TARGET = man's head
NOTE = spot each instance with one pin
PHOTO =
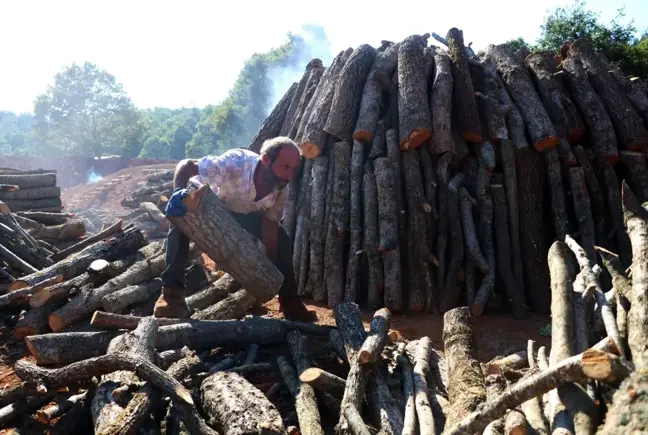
(280, 158)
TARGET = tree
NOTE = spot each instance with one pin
(515, 44)
(616, 40)
(86, 112)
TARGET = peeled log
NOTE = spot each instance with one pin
(463, 96)
(212, 228)
(637, 224)
(415, 124)
(514, 73)
(116, 247)
(384, 62)
(36, 193)
(465, 378)
(441, 105)
(29, 181)
(348, 93)
(271, 126)
(627, 124)
(600, 131)
(226, 394)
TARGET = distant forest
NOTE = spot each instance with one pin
(86, 112)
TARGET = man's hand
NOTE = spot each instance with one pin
(175, 206)
(269, 237)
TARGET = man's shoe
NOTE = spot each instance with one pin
(294, 309)
(171, 304)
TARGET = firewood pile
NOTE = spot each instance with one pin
(157, 189)
(33, 190)
(433, 177)
(98, 362)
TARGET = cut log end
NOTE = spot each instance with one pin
(416, 138)
(547, 143)
(56, 323)
(310, 150)
(363, 136)
(472, 137)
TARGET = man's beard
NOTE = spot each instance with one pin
(275, 183)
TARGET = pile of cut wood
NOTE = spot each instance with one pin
(158, 188)
(33, 190)
(435, 177)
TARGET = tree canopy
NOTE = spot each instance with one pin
(617, 40)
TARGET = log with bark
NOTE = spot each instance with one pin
(43, 204)
(384, 62)
(271, 126)
(628, 125)
(415, 124)
(210, 226)
(518, 82)
(317, 229)
(464, 105)
(376, 276)
(56, 233)
(452, 288)
(635, 166)
(338, 225)
(355, 221)
(345, 104)
(102, 235)
(29, 194)
(441, 105)
(310, 89)
(234, 306)
(30, 181)
(113, 248)
(291, 111)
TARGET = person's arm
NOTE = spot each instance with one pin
(270, 227)
(185, 169)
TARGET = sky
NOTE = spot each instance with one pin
(188, 53)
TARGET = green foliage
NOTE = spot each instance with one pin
(86, 112)
(515, 44)
(616, 40)
(15, 133)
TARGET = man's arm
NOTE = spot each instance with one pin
(185, 169)
(269, 237)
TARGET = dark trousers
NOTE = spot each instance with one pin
(177, 253)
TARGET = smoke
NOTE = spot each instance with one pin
(310, 42)
(93, 177)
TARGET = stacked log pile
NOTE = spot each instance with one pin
(434, 177)
(33, 190)
(115, 368)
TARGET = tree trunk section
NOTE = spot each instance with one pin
(86, 302)
(583, 212)
(115, 228)
(503, 251)
(441, 105)
(627, 412)
(109, 416)
(371, 350)
(514, 73)
(213, 293)
(348, 93)
(387, 208)
(384, 63)
(415, 124)
(49, 204)
(339, 224)
(271, 126)
(558, 202)
(317, 229)
(615, 208)
(116, 302)
(627, 124)
(25, 194)
(225, 394)
(376, 277)
(599, 213)
(485, 209)
(113, 248)
(464, 104)
(211, 227)
(635, 165)
(293, 108)
(234, 306)
(465, 378)
(470, 233)
(310, 88)
(636, 222)
(355, 222)
(599, 125)
(452, 289)
(29, 181)
(323, 381)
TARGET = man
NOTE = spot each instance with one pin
(252, 186)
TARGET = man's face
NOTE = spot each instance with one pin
(283, 169)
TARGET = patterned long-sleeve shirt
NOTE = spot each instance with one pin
(231, 177)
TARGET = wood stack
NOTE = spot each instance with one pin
(33, 190)
(157, 189)
(459, 173)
